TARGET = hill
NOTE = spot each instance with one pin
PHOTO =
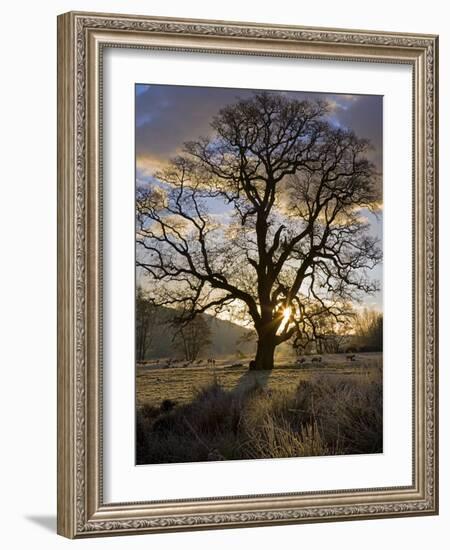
(226, 337)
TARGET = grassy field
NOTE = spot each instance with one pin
(154, 385)
(199, 413)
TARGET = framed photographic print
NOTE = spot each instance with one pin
(247, 277)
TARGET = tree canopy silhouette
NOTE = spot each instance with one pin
(290, 243)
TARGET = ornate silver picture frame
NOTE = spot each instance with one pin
(83, 39)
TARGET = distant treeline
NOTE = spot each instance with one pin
(369, 331)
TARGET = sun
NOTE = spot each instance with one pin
(287, 312)
(287, 315)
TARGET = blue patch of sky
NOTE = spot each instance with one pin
(141, 88)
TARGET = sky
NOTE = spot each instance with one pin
(167, 116)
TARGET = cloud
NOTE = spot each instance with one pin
(167, 116)
(147, 165)
(365, 117)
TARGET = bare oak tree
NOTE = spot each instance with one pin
(289, 243)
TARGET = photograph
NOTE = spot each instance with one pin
(259, 274)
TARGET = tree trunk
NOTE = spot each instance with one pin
(265, 352)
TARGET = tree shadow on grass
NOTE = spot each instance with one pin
(252, 379)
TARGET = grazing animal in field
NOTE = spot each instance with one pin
(301, 361)
(350, 357)
(316, 360)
